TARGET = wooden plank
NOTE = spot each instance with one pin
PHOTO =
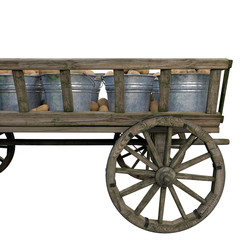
(114, 63)
(66, 90)
(119, 91)
(213, 90)
(85, 129)
(73, 119)
(99, 119)
(164, 90)
(19, 82)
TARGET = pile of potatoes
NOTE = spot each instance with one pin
(101, 105)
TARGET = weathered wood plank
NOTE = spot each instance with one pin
(19, 82)
(100, 119)
(119, 91)
(85, 129)
(213, 90)
(66, 90)
(115, 63)
(164, 90)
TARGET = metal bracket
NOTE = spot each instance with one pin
(197, 214)
(146, 222)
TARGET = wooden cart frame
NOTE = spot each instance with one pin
(152, 131)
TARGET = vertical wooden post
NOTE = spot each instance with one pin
(66, 90)
(20, 86)
(119, 91)
(224, 87)
(213, 90)
(164, 86)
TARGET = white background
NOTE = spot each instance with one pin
(60, 192)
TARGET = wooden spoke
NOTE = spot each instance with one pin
(141, 172)
(137, 150)
(192, 162)
(153, 149)
(178, 157)
(194, 177)
(168, 147)
(177, 201)
(135, 164)
(137, 186)
(137, 161)
(146, 199)
(141, 158)
(189, 191)
(161, 204)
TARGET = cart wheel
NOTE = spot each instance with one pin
(163, 176)
(122, 159)
(6, 152)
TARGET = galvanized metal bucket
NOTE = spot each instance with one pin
(96, 89)
(82, 85)
(8, 96)
(138, 90)
(188, 92)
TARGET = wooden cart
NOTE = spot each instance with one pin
(156, 136)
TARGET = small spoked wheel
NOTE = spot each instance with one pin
(169, 196)
(6, 152)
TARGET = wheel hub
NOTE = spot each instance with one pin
(165, 176)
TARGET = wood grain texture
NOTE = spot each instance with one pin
(119, 91)
(66, 90)
(213, 90)
(164, 90)
(20, 86)
(114, 63)
(96, 119)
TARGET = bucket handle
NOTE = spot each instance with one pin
(90, 78)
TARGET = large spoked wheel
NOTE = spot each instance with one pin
(139, 202)
(6, 152)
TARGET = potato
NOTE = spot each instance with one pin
(102, 101)
(191, 70)
(125, 71)
(109, 73)
(49, 71)
(31, 72)
(83, 71)
(43, 107)
(103, 108)
(154, 106)
(203, 71)
(143, 71)
(133, 72)
(94, 106)
(5, 71)
(156, 74)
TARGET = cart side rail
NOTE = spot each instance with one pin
(118, 65)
